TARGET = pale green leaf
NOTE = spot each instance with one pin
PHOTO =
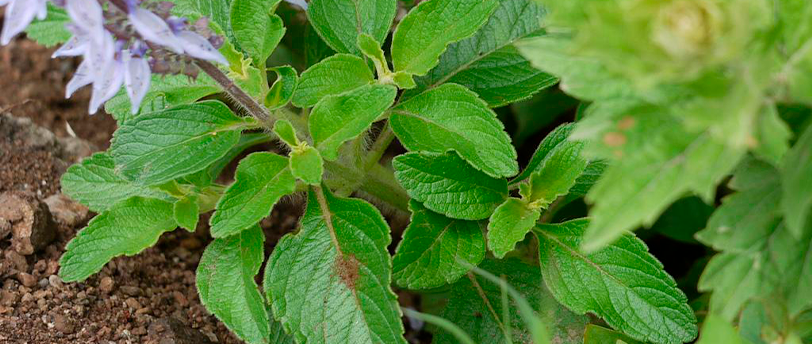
(255, 28)
(306, 164)
(622, 283)
(334, 75)
(773, 135)
(717, 330)
(450, 117)
(551, 141)
(330, 283)
(555, 176)
(187, 212)
(448, 185)
(436, 250)
(372, 49)
(339, 22)
(95, 183)
(592, 173)
(285, 131)
(796, 178)
(744, 219)
(488, 64)
(260, 181)
(423, 35)
(51, 30)
(225, 283)
(340, 118)
(160, 146)
(283, 88)
(509, 224)
(125, 229)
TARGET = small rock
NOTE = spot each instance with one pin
(173, 331)
(43, 283)
(66, 210)
(55, 281)
(180, 299)
(132, 303)
(130, 290)
(27, 298)
(106, 284)
(139, 331)
(31, 226)
(7, 298)
(26, 279)
(63, 324)
(18, 262)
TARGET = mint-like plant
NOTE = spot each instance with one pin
(676, 96)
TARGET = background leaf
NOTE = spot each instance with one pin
(51, 30)
(339, 22)
(255, 28)
(796, 174)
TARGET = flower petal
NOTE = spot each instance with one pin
(98, 54)
(75, 46)
(83, 76)
(153, 28)
(107, 86)
(88, 15)
(136, 79)
(42, 9)
(18, 15)
(199, 47)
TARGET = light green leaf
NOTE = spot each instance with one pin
(216, 10)
(283, 88)
(509, 224)
(423, 35)
(160, 146)
(595, 334)
(334, 75)
(451, 117)
(555, 176)
(478, 308)
(95, 183)
(488, 64)
(207, 176)
(622, 283)
(717, 330)
(773, 135)
(260, 181)
(436, 250)
(257, 30)
(744, 219)
(51, 30)
(448, 185)
(372, 49)
(306, 164)
(796, 178)
(187, 212)
(165, 91)
(592, 173)
(284, 130)
(340, 118)
(339, 22)
(551, 141)
(125, 229)
(225, 283)
(330, 283)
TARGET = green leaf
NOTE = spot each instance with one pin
(509, 224)
(51, 30)
(340, 118)
(478, 308)
(555, 176)
(225, 283)
(744, 219)
(283, 88)
(599, 335)
(622, 283)
(436, 250)
(551, 141)
(187, 212)
(125, 229)
(339, 22)
(592, 173)
(334, 75)
(285, 131)
(448, 185)
(451, 117)
(165, 91)
(329, 283)
(95, 183)
(160, 146)
(216, 10)
(306, 164)
(278, 334)
(488, 64)
(372, 49)
(260, 181)
(423, 35)
(716, 330)
(773, 135)
(207, 176)
(796, 178)
(257, 30)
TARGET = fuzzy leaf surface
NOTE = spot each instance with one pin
(225, 283)
(283, 88)
(557, 174)
(334, 75)
(257, 31)
(306, 164)
(450, 117)
(448, 185)
(509, 224)
(622, 283)
(260, 181)
(332, 285)
(51, 30)
(160, 146)
(339, 22)
(432, 244)
(125, 229)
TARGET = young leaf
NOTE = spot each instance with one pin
(257, 31)
(339, 22)
(306, 164)
(51, 30)
(225, 283)
(329, 283)
(339, 118)
(796, 178)
(556, 175)
(509, 224)
(95, 183)
(448, 185)
(160, 146)
(622, 283)
(451, 117)
(436, 250)
(187, 212)
(283, 88)
(372, 49)
(284, 130)
(475, 306)
(260, 181)
(423, 35)
(125, 229)
(552, 140)
(334, 75)
(488, 64)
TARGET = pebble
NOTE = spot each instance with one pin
(55, 281)
(130, 290)
(26, 279)
(132, 303)
(106, 285)
(63, 324)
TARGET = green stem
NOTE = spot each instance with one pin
(379, 147)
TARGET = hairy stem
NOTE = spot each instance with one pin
(250, 104)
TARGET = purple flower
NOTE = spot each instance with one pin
(19, 14)
(87, 15)
(199, 47)
(136, 79)
(154, 29)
